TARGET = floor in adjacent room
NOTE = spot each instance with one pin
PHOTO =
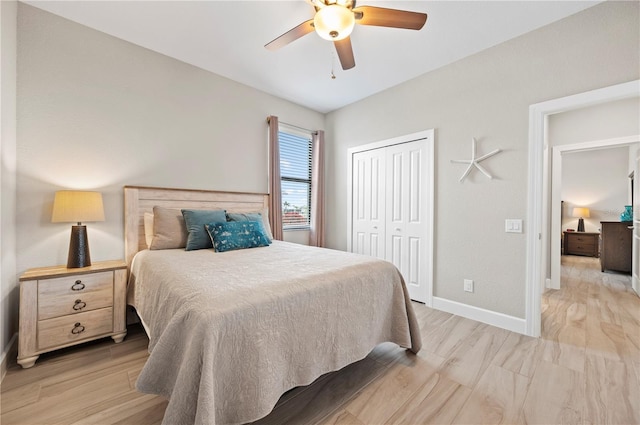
(584, 370)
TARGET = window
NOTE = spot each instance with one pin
(295, 177)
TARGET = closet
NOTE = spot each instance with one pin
(391, 207)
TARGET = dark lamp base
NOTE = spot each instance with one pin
(78, 248)
(581, 225)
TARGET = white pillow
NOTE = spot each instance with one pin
(148, 228)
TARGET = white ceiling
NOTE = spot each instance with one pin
(228, 38)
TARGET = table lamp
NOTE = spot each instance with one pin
(74, 206)
(581, 213)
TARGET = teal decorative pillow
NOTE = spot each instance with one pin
(236, 235)
(195, 220)
(253, 216)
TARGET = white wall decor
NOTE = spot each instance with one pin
(474, 162)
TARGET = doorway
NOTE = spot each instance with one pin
(538, 222)
(556, 199)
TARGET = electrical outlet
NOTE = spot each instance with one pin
(468, 285)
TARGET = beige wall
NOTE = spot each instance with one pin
(486, 96)
(598, 180)
(96, 112)
(600, 122)
(8, 278)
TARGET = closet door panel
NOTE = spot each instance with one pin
(368, 204)
(413, 274)
(406, 208)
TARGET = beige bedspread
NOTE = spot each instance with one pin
(231, 332)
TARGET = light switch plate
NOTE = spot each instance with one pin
(468, 285)
(513, 225)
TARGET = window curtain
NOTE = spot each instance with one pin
(316, 235)
(275, 195)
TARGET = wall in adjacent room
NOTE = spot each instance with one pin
(598, 180)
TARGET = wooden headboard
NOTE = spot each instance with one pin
(138, 200)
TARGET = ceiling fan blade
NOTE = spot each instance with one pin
(291, 35)
(345, 53)
(382, 17)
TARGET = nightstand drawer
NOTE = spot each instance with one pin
(68, 329)
(585, 249)
(580, 244)
(71, 295)
(74, 285)
(581, 241)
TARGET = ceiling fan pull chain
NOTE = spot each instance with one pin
(333, 76)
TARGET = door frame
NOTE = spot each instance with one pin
(635, 235)
(428, 137)
(556, 183)
(538, 188)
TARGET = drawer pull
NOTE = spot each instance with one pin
(77, 329)
(79, 305)
(78, 286)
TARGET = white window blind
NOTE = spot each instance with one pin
(295, 176)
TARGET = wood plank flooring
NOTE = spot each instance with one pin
(584, 370)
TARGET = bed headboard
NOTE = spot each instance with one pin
(139, 199)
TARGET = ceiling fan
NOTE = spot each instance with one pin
(334, 20)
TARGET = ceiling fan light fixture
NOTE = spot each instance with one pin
(334, 22)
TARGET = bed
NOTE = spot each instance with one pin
(230, 332)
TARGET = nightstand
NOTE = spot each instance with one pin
(581, 243)
(60, 307)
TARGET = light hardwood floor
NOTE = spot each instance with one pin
(584, 370)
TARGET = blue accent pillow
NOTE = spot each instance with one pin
(256, 216)
(195, 220)
(234, 235)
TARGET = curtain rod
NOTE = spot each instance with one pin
(296, 127)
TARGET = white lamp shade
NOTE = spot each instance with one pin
(75, 206)
(581, 212)
(334, 22)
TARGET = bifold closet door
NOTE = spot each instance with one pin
(368, 210)
(389, 209)
(406, 213)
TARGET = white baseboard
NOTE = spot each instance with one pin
(10, 351)
(500, 320)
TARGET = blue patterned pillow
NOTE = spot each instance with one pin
(255, 216)
(236, 235)
(195, 221)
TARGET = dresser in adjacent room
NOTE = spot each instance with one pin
(581, 243)
(615, 246)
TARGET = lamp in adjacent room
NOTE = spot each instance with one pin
(581, 213)
(75, 206)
